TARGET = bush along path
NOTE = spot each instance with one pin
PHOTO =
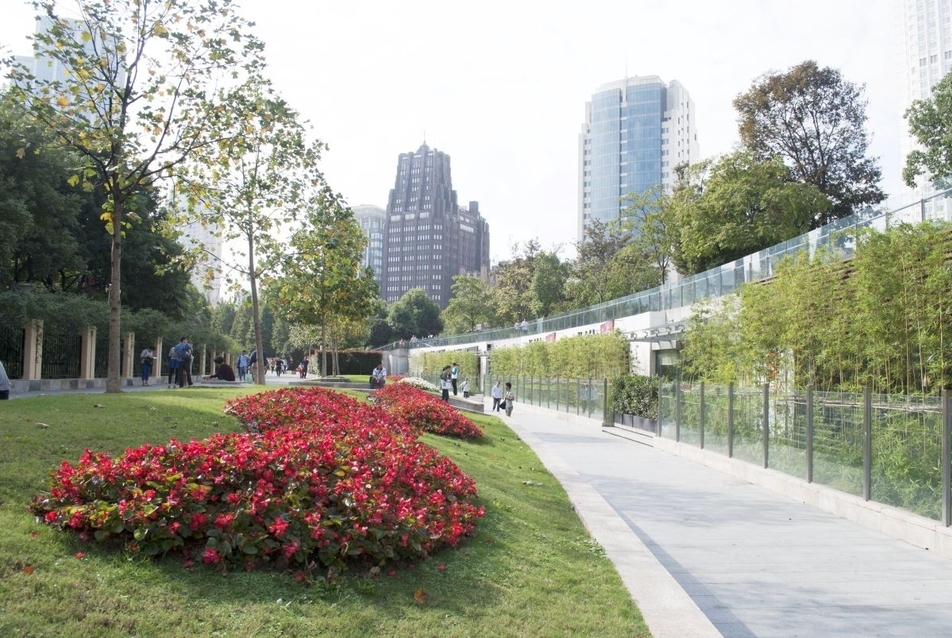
(321, 482)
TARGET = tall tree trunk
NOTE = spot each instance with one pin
(256, 314)
(113, 382)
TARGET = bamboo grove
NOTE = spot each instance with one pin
(879, 319)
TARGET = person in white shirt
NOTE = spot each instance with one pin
(496, 394)
(379, 377)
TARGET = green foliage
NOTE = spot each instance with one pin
(468, 307)
(648, 216)
(930, 123)
(130, 116)
(433, 362)
(608, 266)
(547, 289)
(814, 121)
(880, 320)
(512, 295)
(735, 206)
(635, 394)
(598, 356)
(415, 314)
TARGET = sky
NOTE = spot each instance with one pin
(501, 86)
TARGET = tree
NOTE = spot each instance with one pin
(607, 267)
(930, 123)
(322, 282)
(814, 120)
(646, 216)
(38, 224)
(253, 183)
(133, 100)
(415, 314)
(468, 306)
(381, 332)
(511, 296)
(547, 290)
(736, 206)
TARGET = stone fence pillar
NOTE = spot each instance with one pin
(128, 355)
(87, 360)
(33, 349)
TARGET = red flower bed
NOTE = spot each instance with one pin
(337, 487)
(423, 411)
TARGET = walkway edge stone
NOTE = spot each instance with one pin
(667, 609)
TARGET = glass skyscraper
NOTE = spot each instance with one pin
(636, 131)
(927, 57)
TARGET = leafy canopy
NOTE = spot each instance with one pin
(814, 120)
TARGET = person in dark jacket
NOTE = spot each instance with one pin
(223, 371)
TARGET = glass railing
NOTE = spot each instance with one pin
(884, 448)
(717, 282)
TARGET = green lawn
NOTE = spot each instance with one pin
(531, 570)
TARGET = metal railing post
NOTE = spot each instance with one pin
(867, 443)
(809, 434)
(766, 425)
(946, 460)
(677, 412)
(730, 420)
(701, 417)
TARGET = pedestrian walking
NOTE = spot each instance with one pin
(454, 376)
(184, 350)
(445, 383)
(496, 394)
(146, 357)
(242, 364)
(509, 398)
(173, 366)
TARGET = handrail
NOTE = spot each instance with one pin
(685, 291)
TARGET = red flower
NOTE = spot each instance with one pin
(211, 556)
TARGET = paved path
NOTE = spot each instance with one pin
(688, 539)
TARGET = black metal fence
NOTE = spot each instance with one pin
(62, 356)
(11, 351)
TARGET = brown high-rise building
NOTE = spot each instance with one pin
(429, 238)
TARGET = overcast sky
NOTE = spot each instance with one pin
(501, 86)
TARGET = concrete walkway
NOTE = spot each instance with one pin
(707, 554)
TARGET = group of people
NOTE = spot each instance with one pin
(503, 399)
(449, 378)
(180, 365)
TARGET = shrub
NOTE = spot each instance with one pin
(425, 412)
(419, 383)
(342, 489)
(635, 394)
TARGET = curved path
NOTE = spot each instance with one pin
(707, 554)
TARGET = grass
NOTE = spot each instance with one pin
(531, 569)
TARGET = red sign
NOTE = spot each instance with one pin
(550, 336)
(608, 326)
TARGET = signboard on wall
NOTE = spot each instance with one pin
(608, 326)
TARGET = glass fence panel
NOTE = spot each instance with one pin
(715, 418)
(788, 433)
(666, 409)
(690, 414)
(748, 425)
(907, 453)
(838, 441)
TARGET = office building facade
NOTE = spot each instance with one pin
(373, 222)
(926, 58)
(636, 131)
(429, 238)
